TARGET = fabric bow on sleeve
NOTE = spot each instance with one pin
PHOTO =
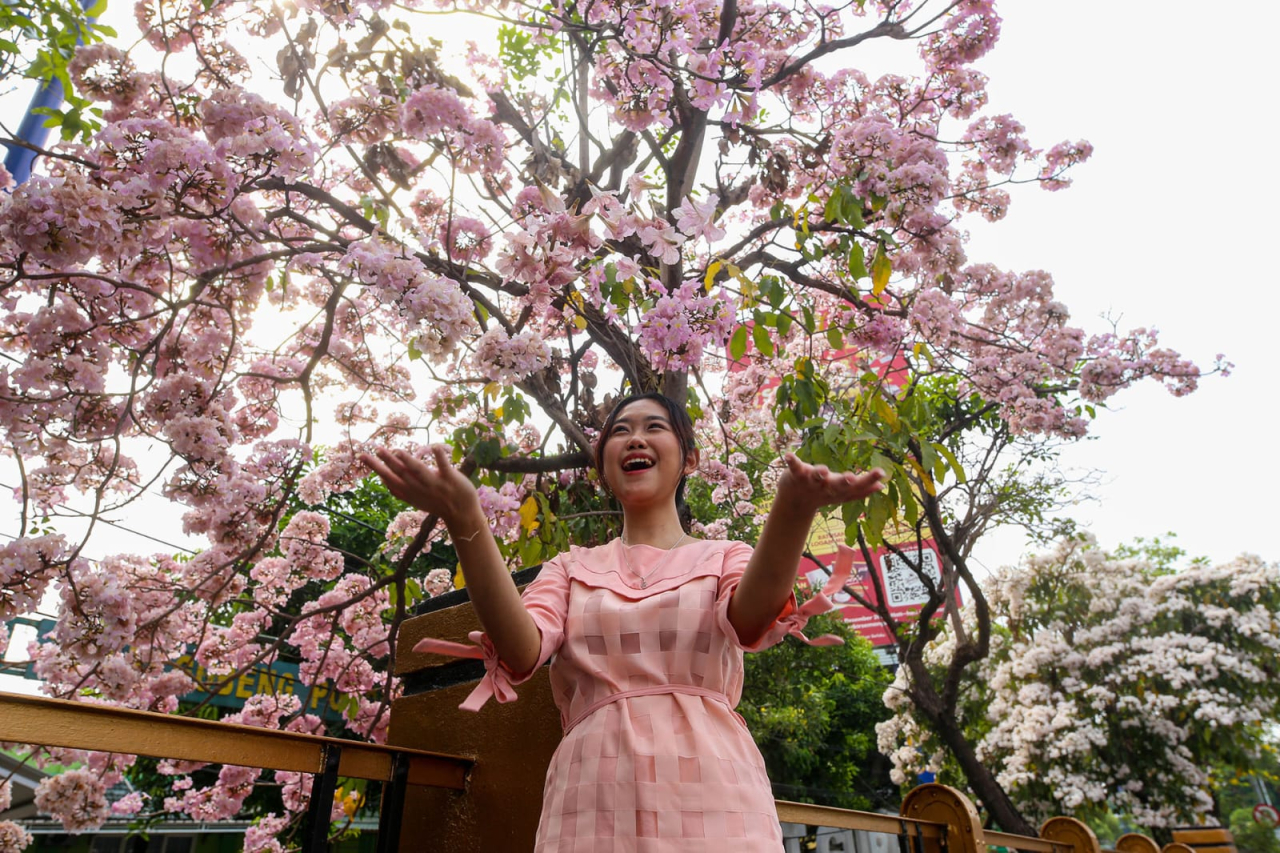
(795, 621)
(497, 678)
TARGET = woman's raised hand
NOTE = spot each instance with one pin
(443, 490)
(814, 486)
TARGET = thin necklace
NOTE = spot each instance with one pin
(644, 579)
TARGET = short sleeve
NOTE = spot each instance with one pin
(793, 617)
(736, 557)
(546, 599)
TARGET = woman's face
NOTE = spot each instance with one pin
(643, 459)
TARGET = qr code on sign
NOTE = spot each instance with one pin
(903, 586)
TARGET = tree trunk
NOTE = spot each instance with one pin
(981, 780)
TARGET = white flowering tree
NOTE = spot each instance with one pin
(305, 229)
(1114, 683)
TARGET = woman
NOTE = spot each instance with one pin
(647, 634)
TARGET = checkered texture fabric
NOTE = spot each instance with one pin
(674, 767)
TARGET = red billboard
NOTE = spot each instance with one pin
(904, 589)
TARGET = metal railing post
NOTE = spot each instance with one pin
(392, 812)
(320, 809)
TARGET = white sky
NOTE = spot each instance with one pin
(1165, 227)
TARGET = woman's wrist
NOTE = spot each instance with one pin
(794, 505)
(464, 524)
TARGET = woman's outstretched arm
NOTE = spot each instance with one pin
(771, 573)
(446, 492)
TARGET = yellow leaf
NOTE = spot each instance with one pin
(579, 321)
(925, 479)
(493, 389)
(712, 269)
(880, 269)
(458, 580)
(529, 514)
(885, 411)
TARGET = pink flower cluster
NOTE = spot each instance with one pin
(13, 838)
(262, 837)
(508, 359)
(502, 507)
(78, 798)
(27, 566)
(681, 324)
(433, 112)
(433, 309)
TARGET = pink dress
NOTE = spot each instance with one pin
(654, 758)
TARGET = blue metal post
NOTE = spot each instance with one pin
(32, 130)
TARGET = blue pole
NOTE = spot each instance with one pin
(18, 159)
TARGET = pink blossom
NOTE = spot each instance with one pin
(13, 838)
(262, 837)
(466, 238)
(502, 507)
(1058, 159)
(437, 582)
(432, 110)
(697, 220)
(75, 797)
(104, 72)
(509, 359)
(129, 805)
(682, 324)
(402, 530)
(663, 241)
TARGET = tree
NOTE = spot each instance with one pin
(379, 247)
(1117, 683)
(812, 710)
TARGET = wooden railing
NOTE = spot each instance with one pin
(80, 725)
(939, 819)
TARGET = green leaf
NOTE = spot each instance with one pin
(777, 293)
(809, 324)
(857, 261)
(487, 452)
(831, 212)
(851, 210)
(834, 338)
(784, 323)
(878, 506)
(760, 335)
(951, 459)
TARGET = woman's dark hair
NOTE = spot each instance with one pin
(681, 425)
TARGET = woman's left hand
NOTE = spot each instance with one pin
(810, 487)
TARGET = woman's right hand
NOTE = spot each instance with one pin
(443, 490)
